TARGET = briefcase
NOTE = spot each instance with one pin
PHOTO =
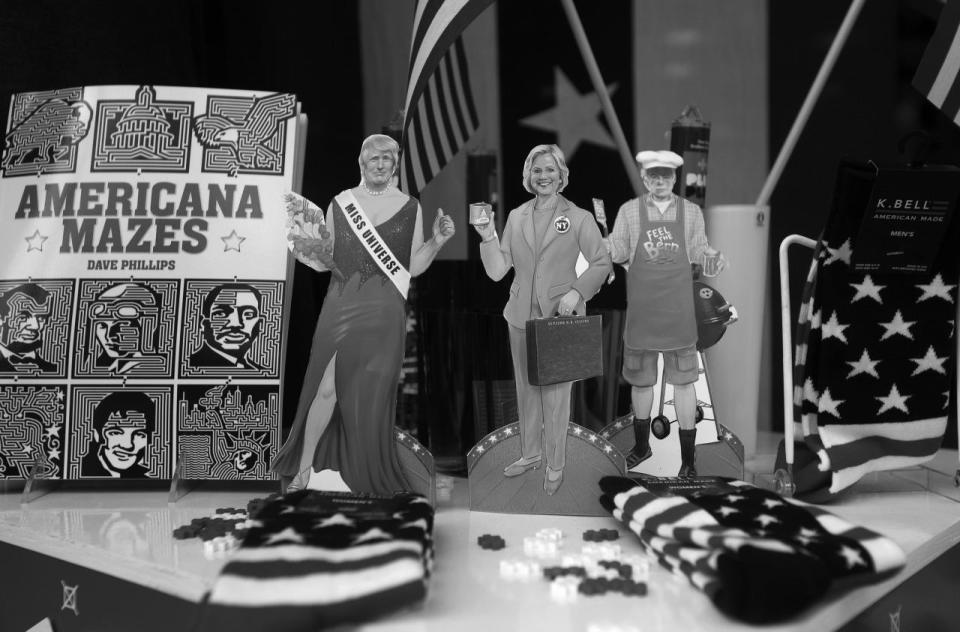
(564, 349)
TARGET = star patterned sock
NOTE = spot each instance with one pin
(312, 560)
(878, 355)
(758, 556)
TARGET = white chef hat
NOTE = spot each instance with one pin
(648, 159)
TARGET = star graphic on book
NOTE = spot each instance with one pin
(897, 326)
(574, 118)
(35, 241)
(337, 519)
(936, 288)
(852, 556)
(370, 535)
(842, 253)
(864, 365)
(929, 362)
(287, 535)
(232, 241)
(766, 520)
(833, 329)
(867, 289)
(829, 405)
(893, 400)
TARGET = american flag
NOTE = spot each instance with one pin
(758, 556)
(439, 112)
(874, 351)
(312, 560)
(938, 72)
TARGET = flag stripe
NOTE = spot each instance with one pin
(461, 126)
(872, 448)
(458, 133)
(951, 102)
(836, 435)
(942, 45)
(316, 568)
(460, 67)
(437, 111)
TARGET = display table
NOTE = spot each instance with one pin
(98, 560)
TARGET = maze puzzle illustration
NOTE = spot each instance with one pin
(143, 133)
(228, 431)
(157, 456)
(32, 430)
(125, 328)
(212, 317)
(43, 132)
(245, 135)
(35, 314)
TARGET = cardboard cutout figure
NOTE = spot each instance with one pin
(656, 237)
(541, 241)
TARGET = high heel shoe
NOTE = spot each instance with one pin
(520, 466)
(551, 484)
(299, 481)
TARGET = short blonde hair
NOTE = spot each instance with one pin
(557, 156)
(379, 142)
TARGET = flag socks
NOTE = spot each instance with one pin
(873, 351)
(759, 557)
(313, 560)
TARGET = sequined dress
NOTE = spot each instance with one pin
(363, 321)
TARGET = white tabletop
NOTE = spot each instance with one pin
(129, 534)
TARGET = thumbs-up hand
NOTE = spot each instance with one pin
(443, 227)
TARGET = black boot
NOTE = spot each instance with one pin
(688, 452)
(641, 448)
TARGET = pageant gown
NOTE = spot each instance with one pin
(363, 321)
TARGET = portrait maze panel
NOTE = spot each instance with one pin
(231, 329)
(35, 327)
(228, 431)
(121, 433)
(32, 429)
(126, 328)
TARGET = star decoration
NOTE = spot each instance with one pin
(53, 454)
(508, 432)
(52, 430)
(929, 362)
(574, 118)
(829, 405)
(864, 365)
(735, 498)
(35, 241)
(375, 533)
(893, 400)
(337, 519)
(232, 241)
(897, 326)
(766, 520)
(852, 557)
(726, 511)
(577, 431)
(936, 288)
(479, 449)
(27, 448)
(808, 533)
(867, 289)
(833, 329)
(842, 253)
(809, 393)
(287, 535)
(608, 448)
(772, 503)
